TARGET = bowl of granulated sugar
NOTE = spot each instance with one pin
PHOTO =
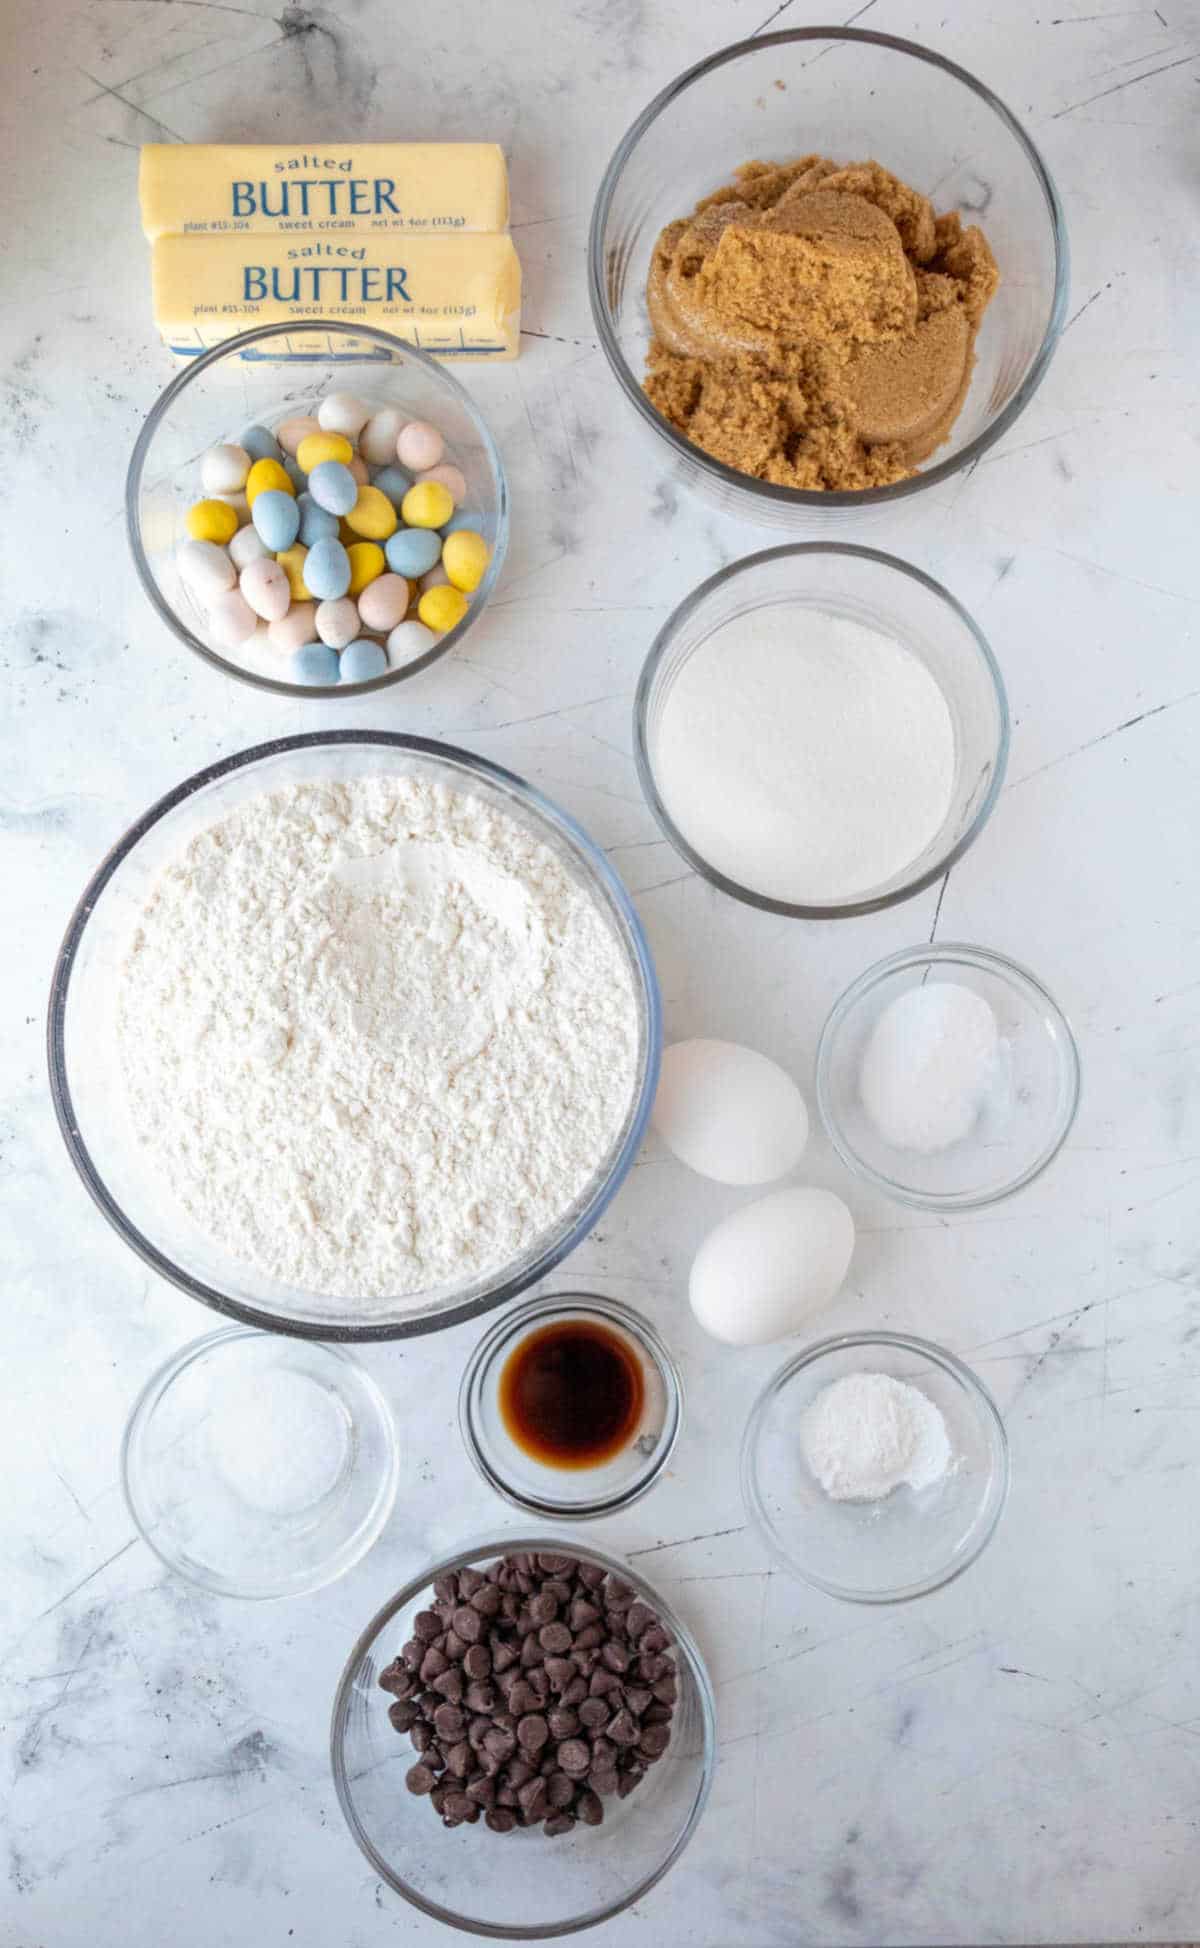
(821, 730)
(875, 1466)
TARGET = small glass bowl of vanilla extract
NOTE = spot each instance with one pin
(570, 1406)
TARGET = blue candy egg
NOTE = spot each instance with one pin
(392, 481)
(461, 519)
(327, 569)
(333, 487)
(276, 519)
(413, 551)
(361, 660)
(314, 663)
(260, 444)
(295, 472)
(314, 521)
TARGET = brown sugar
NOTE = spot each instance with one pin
(814, 325)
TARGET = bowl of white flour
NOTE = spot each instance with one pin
(354, 1035)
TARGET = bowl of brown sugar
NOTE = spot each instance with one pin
(828, 269)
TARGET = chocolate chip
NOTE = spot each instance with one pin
(593, 1713)
(559, 1672)
(478, 1661)
(539, 1683)
(605, 1756)
(504, 1656)
(623, 1729)
(575, 1692)
(469, 1581)
(588, 1808)
(582, 1613)
(590, 1637)
(457, 1807)
(618, 1596)
(590, 1575)
(531, 1797)
(574, 1757)
(500, 1743)
(500, 1819)
(531, 1650)
(657, 1714)
(655, 1638)
(481, 1697)
(422, 1737)
(543, 1608)
(460, 1760)
(602, 1682)
(560, 1789)
(419, 1779)
(654, 1741)
(449, 1685)
(555, 1565)
(665, 1690)
(638, 1617)
(523, 1698)
(433, 1664)
(519, 1773)
(403, 1714)
(486, 1600)
(563, 1722)
(398, 1679)
(427, 1625)
(554, 1638)
(468, 1624)
(482, 1790)
(615, 1656)
(532, 1732)
(413, 1652)
(556, 1824)
(626, 1783)
(603, 1782)
(449, 1722)
(445, 1588)
(638, 1699)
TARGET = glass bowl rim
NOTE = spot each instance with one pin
(998, 1482)
(988, 961)
(659, 648)
(804, 499)
(504, 1545)
(538, 1310)
(635, 953)
(341, 1562)
(233, 347)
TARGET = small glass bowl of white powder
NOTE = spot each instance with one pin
(947, 1077)
(875, 1467)
(821, 730)
(257, 1466)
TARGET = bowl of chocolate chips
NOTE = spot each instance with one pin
(523, 1739)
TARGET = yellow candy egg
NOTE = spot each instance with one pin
(212, 521)
(315, 447)
(264, 474)
(367, 560)
(372, 515)
(465, 556)
(427, 505)
(441, 608)
(292, 562)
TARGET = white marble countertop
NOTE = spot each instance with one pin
(1016, 1758)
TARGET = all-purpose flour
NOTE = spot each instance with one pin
(805, 755)
(374, 1035)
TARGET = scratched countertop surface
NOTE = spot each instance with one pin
(1014, 1759)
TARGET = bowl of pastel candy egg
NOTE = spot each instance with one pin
(340, 541)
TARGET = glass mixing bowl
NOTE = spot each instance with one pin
(850, 95)
(88, 1090)
(519, 1886)
(1025, 1116)
(262, 378)
(913, 1541)
(889, 596)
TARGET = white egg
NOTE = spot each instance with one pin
(761, 1273)
(729, 1113)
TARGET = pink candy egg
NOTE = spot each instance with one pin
(266, 588)
(292, 631)
(232, 619)
(451, 478)
(419, 446)
(247, 546)
(436, 578)
(357, 466)
(337, 622)
(377, 441)
(384, 603)
(293, 431)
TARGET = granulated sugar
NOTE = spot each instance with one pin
(375, 1036)
(806, 756)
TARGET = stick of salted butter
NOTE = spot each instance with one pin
(215, 189)
(458, 297)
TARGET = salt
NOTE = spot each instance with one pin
(279, 1440)
(929, 1065)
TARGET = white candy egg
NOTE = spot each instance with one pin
(205, 568)
(238, 503)
(762, 1272)
(729, 1113)
(224, 468)
(377, 442)
(233, 620)
(266, 588)
(337, 622)
(292, 631)
(343, 412)
(407, 641)
(247, 546)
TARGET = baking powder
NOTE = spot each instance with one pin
(867, 1434)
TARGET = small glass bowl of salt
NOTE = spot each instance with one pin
(875, 1467)
(947, 1077)
(256, 1466)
